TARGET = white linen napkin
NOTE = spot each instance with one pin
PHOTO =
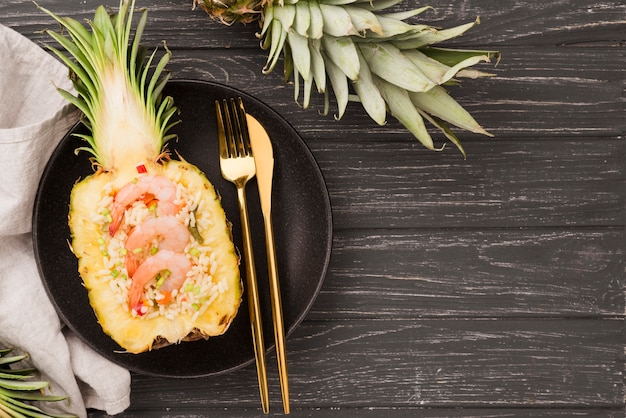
(33, 118)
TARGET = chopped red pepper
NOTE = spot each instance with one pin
(140, 308)
(141, 169)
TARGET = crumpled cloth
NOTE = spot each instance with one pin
(33, 119)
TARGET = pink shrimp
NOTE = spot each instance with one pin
(171, 234)
(176, 266)
(159, 187)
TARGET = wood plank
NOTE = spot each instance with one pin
(474, 273)
(523, 23)
(502, 184)
(202, 412)
(427, 363)
(541, 24)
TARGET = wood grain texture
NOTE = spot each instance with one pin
(422, 363)
(486, 287)
(503, 184)
(426, 412)
(518, 23)
(474, 273)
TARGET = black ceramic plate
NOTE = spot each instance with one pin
(302, 226)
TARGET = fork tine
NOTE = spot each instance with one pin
(221, 130)
(242, 123)
(236, 127)
(231, 130)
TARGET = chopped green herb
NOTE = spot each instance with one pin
(193, 229)
(160, 281)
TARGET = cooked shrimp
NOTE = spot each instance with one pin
(170, 233)
(160, 188)
(173, 266)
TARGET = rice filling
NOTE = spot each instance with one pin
(199, 288)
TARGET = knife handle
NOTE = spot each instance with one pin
(277, 312)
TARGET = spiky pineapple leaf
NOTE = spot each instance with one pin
(107, 66)
(17, 388)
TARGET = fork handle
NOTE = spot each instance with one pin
(253, 299)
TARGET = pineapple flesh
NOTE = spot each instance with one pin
(180, 279)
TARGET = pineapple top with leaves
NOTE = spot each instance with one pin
(365, 51)
(19, 388)
(153, 244)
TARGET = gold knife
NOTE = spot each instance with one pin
(264, 160)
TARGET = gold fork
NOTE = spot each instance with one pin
(237, 166)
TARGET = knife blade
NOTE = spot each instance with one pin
(264, 160)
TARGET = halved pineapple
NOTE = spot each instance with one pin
(180, 279)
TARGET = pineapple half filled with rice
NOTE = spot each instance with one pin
(153, 243)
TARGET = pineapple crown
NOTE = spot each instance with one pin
(116, 86)
(366, 53)
(232, 11)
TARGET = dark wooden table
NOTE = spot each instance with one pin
(492, 286)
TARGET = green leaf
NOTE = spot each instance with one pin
(439, 103)
(267, 15)
(401, 107)
(368, 93)
(343, 53)
(451, 57)
(339, 83)
(23, 385)
(13, 359)
(316, 27)
(438, 72)
(430, 37)
(406, 14)
(14, 376)
(84, 72)
(303, 18)
(276, 46)
(136, 50)
(445, 129)
(300, 53)
(285, 14)
(388, 62)
(337, 21)
(363, 20)
(394, 27)
(317, 65)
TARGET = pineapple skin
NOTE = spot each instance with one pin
(136, 334)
